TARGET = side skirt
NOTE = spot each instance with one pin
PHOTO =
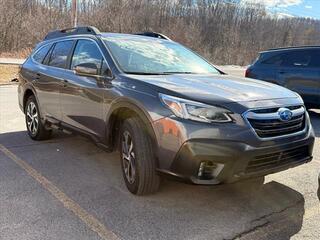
(68, 129)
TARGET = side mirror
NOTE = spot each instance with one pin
(86, 69)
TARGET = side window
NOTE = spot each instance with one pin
(47, 58)
(274, 60)
(42, 53)
(301, 58)
(60, 54)
(87, 51)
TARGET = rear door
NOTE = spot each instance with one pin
(266, 67)
(36, 71)
(51, 78)
(82, 97)
(300, 73)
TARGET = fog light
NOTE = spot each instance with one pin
(206, 170)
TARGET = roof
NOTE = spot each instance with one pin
(129, 36)
(290, 48)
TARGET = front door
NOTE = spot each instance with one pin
(82, 97)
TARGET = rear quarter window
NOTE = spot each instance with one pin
(40, 55)
(275, 60)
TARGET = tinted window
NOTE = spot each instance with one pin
(47, 58)
(87, 52)
(60, 54)
(300, 58)
(41, 54)
(274, 60)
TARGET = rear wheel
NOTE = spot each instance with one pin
(137, 159)
(35, 127)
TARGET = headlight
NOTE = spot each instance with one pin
(195, 111)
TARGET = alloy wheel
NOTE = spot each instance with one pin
(128, 157)
(32, 118)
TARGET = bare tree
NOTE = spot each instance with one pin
(222, 31)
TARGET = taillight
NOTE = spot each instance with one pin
(247, 74)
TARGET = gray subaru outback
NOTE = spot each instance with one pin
(166, 109)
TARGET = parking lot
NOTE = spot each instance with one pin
(68, 188)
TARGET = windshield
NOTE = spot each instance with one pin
(145, 56)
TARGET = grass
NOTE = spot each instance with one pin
(7, 73)
(23, 53)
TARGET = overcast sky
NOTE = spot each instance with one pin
(301, 8)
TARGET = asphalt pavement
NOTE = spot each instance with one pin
(68, 188)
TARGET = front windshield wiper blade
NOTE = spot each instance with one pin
(143, 73)
(179, 73)
(158, 73)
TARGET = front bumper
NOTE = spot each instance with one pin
(234, 161)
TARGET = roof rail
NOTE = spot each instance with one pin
(293, 47)
(154, 35)
(72, 31)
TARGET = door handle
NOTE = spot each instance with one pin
(282, 72)
(65, 83)
(38, 75)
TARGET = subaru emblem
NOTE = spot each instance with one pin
(285, 114)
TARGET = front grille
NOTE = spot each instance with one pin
(267, 122)
(271, 110)
(278, 159)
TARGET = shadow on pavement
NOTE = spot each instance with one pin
(93, 179)
(315, 120)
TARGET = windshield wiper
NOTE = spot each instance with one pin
(179, 73)
(143, 73)
(158, 73)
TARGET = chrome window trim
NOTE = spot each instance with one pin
(248, 112)
(70, 39)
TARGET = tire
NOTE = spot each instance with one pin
(136, 154)
(35, 127)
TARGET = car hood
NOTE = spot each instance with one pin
(216, 88)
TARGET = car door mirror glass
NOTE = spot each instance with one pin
(87, 69)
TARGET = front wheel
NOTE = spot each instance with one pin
(137, 159)
(35, 127)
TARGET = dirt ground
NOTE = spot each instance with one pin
(7, 73)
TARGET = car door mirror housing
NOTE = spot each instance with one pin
(86, 69)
